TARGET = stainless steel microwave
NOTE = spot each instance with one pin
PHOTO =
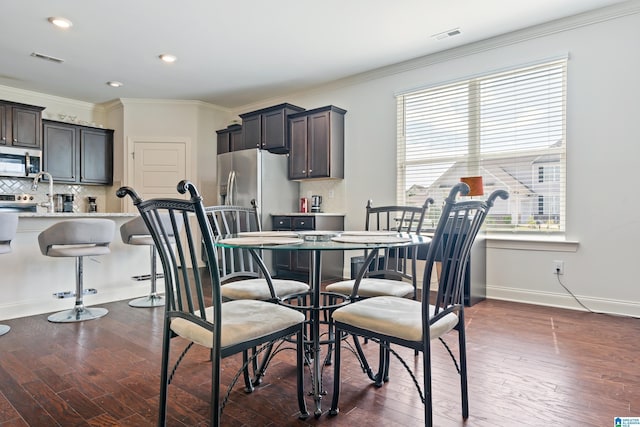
(20, 162)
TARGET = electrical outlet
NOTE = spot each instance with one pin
(331, 194)
(558, 267)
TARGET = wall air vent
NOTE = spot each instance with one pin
(446, 34)
(47, 57)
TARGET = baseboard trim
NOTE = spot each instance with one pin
(560, 300)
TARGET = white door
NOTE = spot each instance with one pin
(158, 167)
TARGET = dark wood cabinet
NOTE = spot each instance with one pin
(296, 264)
(78, 154)
(20, 125)
(229, 139)
(267, 128)
(316, 140)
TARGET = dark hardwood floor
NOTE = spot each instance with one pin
(528, 366)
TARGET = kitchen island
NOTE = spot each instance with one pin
(30, 279)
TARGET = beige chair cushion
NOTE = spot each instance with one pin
(396, 317)
(370, 287)
(242, 321)
(259, 290)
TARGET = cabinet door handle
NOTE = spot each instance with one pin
(304, 171)
(15, 139)
(4, 138)
(310, 170)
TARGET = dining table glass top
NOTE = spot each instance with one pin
(321, 240)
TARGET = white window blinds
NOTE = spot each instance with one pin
(508, 128)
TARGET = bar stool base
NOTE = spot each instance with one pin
(150, 301)
(77, 314)
(4, 329)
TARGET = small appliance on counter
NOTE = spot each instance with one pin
(92, 206)
(67, 205)
(63, 202)
(58, 202)
(316, 201)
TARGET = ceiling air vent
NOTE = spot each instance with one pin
(47, 57)
(446, 34)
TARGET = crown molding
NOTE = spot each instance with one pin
(616, 11)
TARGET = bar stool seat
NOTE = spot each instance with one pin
(8, 228)
(77, 238)
(135, 232)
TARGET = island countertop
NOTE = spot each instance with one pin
(77, 215)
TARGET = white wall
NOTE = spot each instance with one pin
(603, 127)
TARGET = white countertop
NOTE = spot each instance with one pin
(76, 215)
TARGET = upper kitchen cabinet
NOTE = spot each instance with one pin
(229, 139)
(20, 125)
(267, 128)
(317, 143)
(78, 154)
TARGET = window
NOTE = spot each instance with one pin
(507, 127)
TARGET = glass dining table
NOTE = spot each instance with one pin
(316, 303)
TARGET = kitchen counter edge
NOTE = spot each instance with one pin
(76, 214)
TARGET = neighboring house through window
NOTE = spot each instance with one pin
(508, 127)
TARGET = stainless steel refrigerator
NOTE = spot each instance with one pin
(257, 174)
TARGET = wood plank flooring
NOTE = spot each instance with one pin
(528, 366)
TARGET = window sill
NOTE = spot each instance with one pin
(530, 243)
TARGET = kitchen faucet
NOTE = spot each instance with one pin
(34, 187)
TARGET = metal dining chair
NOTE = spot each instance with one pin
(194, 309)
(394, 321)
(393, 271)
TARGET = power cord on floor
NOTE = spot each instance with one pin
(571, 293)
(580, 302)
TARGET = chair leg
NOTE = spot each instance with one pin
(334, 410)
(164, 375)
(79, 312)
(462, 346)
(304, 413)
(154, 299)
(426, 386)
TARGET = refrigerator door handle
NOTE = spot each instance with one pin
(231, 188)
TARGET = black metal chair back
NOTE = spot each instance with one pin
(229, 220)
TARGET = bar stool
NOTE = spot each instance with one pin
(8, 228)
(135, 232)
(77, 238)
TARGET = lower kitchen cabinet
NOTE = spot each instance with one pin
(78, 154)
(296, 264)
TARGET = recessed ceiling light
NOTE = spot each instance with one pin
(60, 22)
(168, 58)
(114, 84)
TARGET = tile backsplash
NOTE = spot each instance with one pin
(80, 192)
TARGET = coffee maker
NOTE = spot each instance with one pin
(316, 201)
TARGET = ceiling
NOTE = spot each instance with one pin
(236, 52)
